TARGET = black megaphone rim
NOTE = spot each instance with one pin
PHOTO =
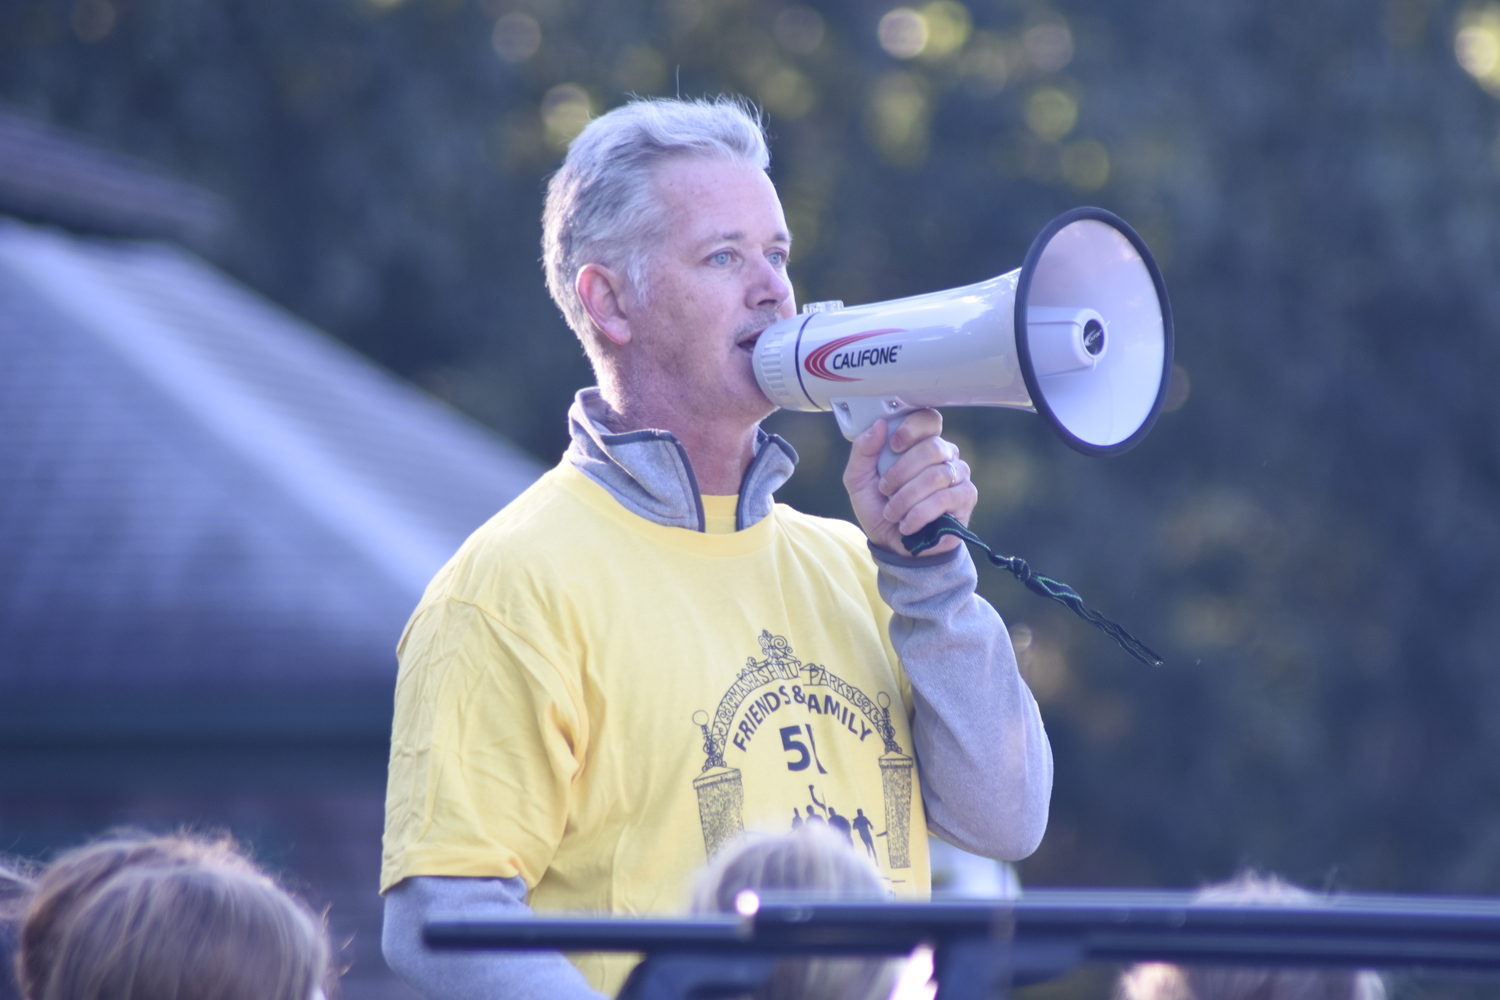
(1023, 329)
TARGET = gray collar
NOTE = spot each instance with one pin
(649, 472)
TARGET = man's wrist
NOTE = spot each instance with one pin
(884, 555)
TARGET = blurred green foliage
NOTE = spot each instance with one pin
(1311, 536)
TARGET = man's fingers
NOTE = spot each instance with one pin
(922, 455)
(957, 500)
(948, 480)
(863, 454)
(870, 439)
(928, 479)
(918, 424)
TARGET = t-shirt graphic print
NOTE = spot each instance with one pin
(805, 742)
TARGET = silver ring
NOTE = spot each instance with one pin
(954, 477)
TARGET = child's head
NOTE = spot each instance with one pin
(1161, 981)
(811, 861)
(168, 916)
(15, 892)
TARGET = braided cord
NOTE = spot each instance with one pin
(924, 539)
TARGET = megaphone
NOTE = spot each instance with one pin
(1081, 333)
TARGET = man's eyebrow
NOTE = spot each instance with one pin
(735, 235)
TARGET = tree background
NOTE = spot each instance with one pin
(1311, 535)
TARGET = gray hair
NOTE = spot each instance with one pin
(601, 206)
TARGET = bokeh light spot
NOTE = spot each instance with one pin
(1477, 46)
(1478, 50)
(1085, 164)
(787, 93)
(948, 27)
(1049, 46)
(1043, 665)
(903, 33)
(987, 62)
(753, 54)
(1051, 113)
(566, 109)
(517, 36)
(799, 30)
(1212, 622)
(1020, 637)
(92, 20)
(896, 118)
(1215, 522)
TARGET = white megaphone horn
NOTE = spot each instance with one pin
(1081, 333)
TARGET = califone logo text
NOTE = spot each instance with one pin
(831, 358)
(869, 356)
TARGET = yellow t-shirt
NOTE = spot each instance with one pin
(597, 703)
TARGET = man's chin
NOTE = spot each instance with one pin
(758, 409)
(750, 402)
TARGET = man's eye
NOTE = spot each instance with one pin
(721, 258)
(777, 257)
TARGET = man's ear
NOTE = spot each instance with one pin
(602, 292)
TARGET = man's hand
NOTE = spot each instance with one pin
(927, 479)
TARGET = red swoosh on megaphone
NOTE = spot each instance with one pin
(816, 363)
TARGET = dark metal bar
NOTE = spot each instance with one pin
(591, 934)
(1047, 933)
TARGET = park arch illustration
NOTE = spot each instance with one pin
(720, 788)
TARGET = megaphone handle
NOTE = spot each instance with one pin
(857, 414)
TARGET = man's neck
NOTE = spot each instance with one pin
(720, 449)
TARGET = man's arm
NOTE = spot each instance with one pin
(983, 755)
(477, 975)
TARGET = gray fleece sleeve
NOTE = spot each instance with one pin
(479, 975)
(982, 752)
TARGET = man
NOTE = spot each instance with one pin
(643, 656)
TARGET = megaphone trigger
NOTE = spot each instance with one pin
(946, 524)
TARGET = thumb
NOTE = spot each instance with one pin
(870, 440)
(864, 451)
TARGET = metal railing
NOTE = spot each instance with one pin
(981, 948)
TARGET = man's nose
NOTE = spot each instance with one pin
(770, 287)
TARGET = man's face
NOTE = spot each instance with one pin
(717, 280)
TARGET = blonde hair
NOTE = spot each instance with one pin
(811, 860)
(1161, 981)
(132, 917)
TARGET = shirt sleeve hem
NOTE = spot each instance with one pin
(895, 559)
(450, 864)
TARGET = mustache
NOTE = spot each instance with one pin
(763, 318)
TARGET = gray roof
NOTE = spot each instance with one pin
(49, 174)
(200, 492)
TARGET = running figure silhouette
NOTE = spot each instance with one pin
(864, 827)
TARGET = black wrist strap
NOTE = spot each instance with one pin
(947, 524)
